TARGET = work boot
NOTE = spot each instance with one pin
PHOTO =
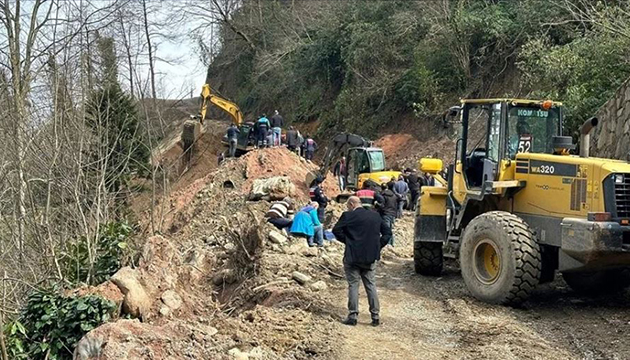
(350, 321)
(376, 322)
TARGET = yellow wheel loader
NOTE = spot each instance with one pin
(515, 206)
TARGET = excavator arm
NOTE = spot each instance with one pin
(231, 108)
(339, 142)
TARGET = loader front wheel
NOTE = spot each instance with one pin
(500, 258)
(427, 258)
(594, 283)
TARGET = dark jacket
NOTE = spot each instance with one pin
(232, 132)
(292, 138)
(317, 194)
(364, 234)
(390, 203)
(277, 121)
(414, 183)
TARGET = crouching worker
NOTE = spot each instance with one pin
(279, 214)
(306, 223)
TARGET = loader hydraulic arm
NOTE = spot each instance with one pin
(231, 108)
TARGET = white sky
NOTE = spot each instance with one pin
(184, 73)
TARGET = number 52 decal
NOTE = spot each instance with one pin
(525, 144)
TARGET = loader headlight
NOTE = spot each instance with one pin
(619, 178)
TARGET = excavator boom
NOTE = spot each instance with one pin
(231, 108)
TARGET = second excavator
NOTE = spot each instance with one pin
(364, 162)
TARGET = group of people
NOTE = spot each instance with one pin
(308, 221)
(268, 132)
(365, 229)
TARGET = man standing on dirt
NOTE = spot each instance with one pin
(316, 194)
(293, 140)
(310, 146)
(389, 208)
(364, 234)
(263, 126)
(277, 122)
(414, 187)
(401, 188)
(232, 137)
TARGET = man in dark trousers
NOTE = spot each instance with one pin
(414, 187)
(389, 208)
(277, 122)
(364, 234)
(232, 137)
(293, 140)
(316, 194)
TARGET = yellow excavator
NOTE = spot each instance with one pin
(516, 206)
(245, 140)
(363, 162)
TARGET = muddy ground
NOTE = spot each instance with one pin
(436, 318)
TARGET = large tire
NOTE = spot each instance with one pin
(595, 283)
(500, 258)
(427, 258)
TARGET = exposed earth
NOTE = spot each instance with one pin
(220, 283)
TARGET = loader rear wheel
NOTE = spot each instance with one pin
(500, 258)
(593, 283)
(427, 258)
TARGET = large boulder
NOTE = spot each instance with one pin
(274, 188)
(136, 302)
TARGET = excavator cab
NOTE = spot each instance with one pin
(362, 163)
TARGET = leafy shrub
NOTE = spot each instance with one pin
(111, 249)
(50, 325)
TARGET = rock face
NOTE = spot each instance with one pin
(171, 299)
(274, 188)
(611, 138)
(277, 238)
(300, 277)
(136, 302)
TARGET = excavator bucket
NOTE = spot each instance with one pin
(311, 176)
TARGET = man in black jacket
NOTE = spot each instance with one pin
(389, 208)
(414, 187)
(364, 234)
(277, 122)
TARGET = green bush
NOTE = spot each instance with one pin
(111, 249)
(51, 324)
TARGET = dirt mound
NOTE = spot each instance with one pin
(281, 162)
(403, 150)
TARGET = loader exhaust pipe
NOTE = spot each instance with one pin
(585, 137)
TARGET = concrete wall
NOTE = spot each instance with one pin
(611, 138)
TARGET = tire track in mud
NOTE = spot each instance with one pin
(434, 318)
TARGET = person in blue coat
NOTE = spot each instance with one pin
(306, 223)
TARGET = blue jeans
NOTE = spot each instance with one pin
(389, 221)
(318, 237)
(277, 136)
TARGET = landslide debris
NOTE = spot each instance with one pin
(222, 283)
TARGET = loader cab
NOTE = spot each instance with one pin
(363, 160)
(492, 132)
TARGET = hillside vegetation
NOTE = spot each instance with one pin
(358, 65)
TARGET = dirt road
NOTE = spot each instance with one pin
(435, 318)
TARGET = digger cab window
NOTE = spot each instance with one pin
(377, 160)
(531, 129)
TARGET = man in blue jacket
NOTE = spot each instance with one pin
(364, 234)
(263, 126)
